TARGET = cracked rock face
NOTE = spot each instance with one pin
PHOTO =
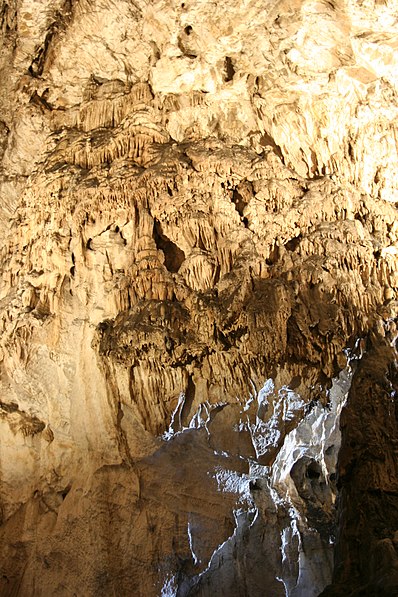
(198, 262)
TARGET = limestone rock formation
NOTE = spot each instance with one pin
(199, 245)
(366, 558)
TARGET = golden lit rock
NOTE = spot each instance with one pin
(199, 259)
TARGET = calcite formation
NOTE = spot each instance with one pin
(199, 245)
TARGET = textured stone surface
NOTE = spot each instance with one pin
(198, 234)
(366, 556)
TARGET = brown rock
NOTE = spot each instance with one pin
(198, 234)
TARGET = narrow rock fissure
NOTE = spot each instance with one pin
(173, 255)
(229, 69)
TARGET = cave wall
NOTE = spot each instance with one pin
(198, 271)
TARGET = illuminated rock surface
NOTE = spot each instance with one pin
(199, 247)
